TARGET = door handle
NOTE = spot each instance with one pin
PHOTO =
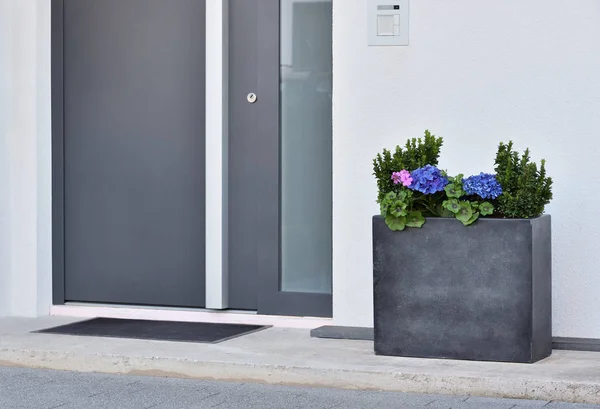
(251, 97)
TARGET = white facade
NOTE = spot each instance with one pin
(25, 158)
(476, 73)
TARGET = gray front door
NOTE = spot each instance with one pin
(280, 156)
(129, 135)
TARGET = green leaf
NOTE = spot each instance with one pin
(441, 211)
(390, 196)
(465, 212)
(454, 191)
(446, 213)
(415, 219)
(486, 208)
(398, 208)
(453, 205)
(395, 223)
(383, 209)
(387, 201)
(403, 195)
(471, 220)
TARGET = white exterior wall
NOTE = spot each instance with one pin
(477, 73)
(25, 169)
(5, 115)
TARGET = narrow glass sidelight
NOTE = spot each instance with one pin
(306, 146)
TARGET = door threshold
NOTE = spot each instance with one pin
(84, 310)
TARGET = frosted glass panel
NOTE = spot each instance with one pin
(306, 60)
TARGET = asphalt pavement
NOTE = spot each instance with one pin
(45, 389)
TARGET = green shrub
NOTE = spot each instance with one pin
(411, 187)
(526, 189)
(417, 153)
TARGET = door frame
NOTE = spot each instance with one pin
(271, 300)
(58, 165)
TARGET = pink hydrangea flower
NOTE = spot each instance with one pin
(402, 177)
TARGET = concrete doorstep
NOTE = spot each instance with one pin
(292, 357)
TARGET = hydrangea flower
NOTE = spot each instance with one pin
(402, 177)
(483, 185)
(428, 180)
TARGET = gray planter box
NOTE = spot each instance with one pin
(481, 292)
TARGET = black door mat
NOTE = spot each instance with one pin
(203, 332)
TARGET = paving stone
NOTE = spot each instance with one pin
(393, 400)
(470, 405)
(517, 403)
(258, 396)
(560, 405)
(40, 389)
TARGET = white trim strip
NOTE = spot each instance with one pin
(216, 153)
(225, 317)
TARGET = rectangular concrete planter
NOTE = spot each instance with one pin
(481, 292)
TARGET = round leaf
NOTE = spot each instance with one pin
(472, 219)
(486, 208)
(398, 209)
(395, 223)
(452, 190)
(415, 219)
(465, 212)
(452, 205)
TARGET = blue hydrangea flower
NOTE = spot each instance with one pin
(428, 180)
(483, 185)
